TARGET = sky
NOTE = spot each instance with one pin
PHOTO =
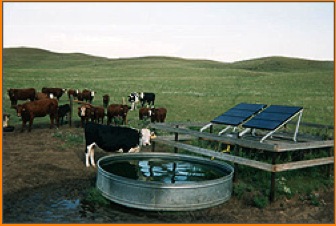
(221, 31)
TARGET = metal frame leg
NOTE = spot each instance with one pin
(205, 127)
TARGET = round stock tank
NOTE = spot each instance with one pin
(164, 181)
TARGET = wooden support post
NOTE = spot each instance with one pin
(153, 142)
(330, 150)
(153, 146)
(272, 193)
(235, 165)
(176, 139)
(71, 110)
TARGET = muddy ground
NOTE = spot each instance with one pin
(44, 181)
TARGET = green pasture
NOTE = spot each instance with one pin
(191, 90)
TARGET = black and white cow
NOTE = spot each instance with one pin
(113, 139)
(133, 98)
(148, 98)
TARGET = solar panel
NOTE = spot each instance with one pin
(272, 117)
(238, 114)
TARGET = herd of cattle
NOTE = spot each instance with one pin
(46, 103)
(108, 138)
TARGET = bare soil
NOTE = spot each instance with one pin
(45, 179)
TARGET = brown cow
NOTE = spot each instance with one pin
(115, 111)
(72, 92)
(85, 113)
(80, 96)
(21, 94)
(158, 114)
(106, 100)
(41, 96)
(57, 92)
(38, 108)
(98, 113)
(88, 95)
(144, 113)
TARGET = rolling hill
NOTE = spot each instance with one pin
(38, 58)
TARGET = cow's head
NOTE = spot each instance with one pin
(20, 109)
(124, 109)
(83, 110)
(146, 136)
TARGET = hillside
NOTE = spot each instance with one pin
(38, 58)
(284, 64)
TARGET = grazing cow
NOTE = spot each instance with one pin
(158, 114)
(144, 113)
(72, 92)
(116, 111)
(133, 98)
(38, 108)
(88, 95)
(21, 94)
(63, 111)
(98, 113)
(57, 92)
(85, 113)
(80, 96)
(106, 100)
(148, 98)
(113, 139)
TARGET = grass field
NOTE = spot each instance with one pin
(191, 90)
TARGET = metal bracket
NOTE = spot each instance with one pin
(205, 127)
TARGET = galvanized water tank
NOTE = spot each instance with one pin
(134, 191)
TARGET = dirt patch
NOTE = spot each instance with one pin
(44, 181)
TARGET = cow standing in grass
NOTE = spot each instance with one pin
(106, 100)
(21, 94)
(158, 114)
(148, 98)
(56, 92)
(38, 108)
(117, 111)
(88, 95)
(85, 113)
(113, 139)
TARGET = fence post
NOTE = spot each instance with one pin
(235, 165)
(272, 193)
(176, 139)
(71, 110)
(153, 143)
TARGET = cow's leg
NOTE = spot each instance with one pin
(92, 156)
(52, 118)
(134, 150)
(23, 124)
(89, 153)
(30, 123)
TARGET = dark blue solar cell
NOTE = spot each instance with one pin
(262, 124)
(272, 117)
(283, 109)
(238, 114)
(228, 120)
